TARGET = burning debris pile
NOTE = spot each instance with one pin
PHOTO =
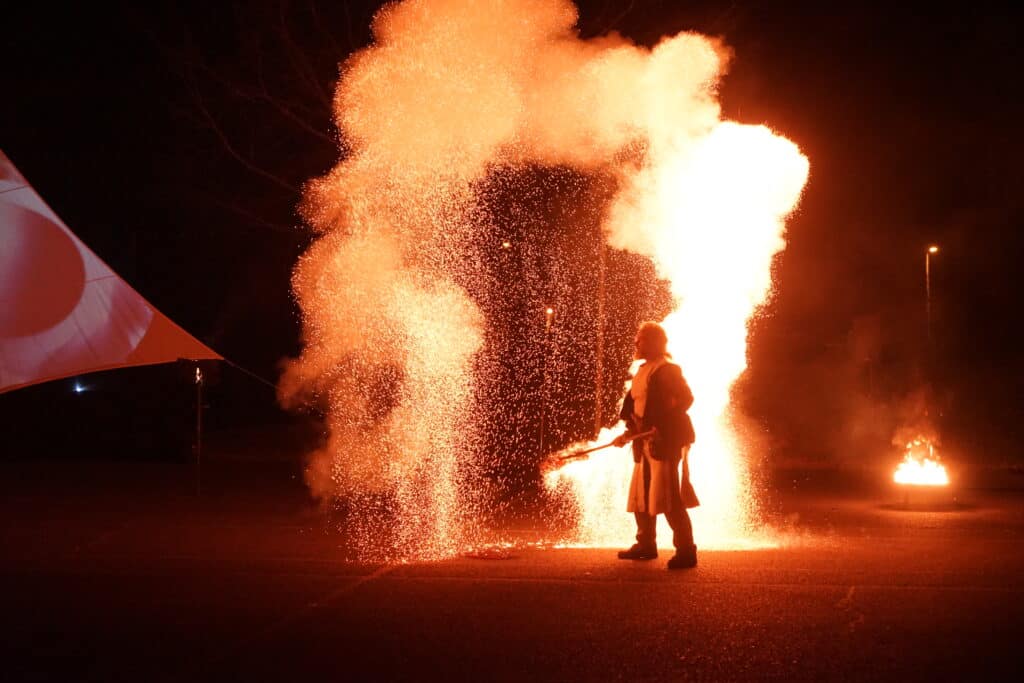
(921, 465)
(447, 97)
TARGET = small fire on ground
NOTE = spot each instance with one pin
(921, 466)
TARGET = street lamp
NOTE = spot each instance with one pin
(933, 249)
(599, 351)
(549, 317)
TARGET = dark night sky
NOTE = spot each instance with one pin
(910, 116)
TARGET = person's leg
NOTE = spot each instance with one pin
(646, 524)
(646, 530)
(646, 546)
(682, 539)
(682, 529)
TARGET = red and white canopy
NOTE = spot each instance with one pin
(63, 311)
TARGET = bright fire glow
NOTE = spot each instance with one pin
(921, 466)
(713, 213)
(446, 96)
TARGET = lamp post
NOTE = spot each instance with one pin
(199, 429)
(549, 314)
(933, 249)
(599, 351)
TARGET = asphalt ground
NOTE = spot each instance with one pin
(120, 572)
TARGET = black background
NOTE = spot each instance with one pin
(143, 128)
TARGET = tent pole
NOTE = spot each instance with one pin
(199, 430)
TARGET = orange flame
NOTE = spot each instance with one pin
(712, 213)
(921, 466)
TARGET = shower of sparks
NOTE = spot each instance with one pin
(443, 117)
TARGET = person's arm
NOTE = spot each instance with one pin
(626, 414)
(669, 399)
(685, 395)
(672, 390)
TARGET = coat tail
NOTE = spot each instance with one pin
(688, 495)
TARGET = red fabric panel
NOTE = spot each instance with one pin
(63, 311)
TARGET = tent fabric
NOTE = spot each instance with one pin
(64, 312)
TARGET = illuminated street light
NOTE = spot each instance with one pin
(549, 313)
(933, 249)
(599, 350)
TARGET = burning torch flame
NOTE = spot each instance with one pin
(921, 466)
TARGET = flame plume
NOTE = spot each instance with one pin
(445, 96)
(921, 465)
(710, 212)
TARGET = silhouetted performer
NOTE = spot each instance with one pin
(658, 398)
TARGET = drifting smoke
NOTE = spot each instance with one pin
(447, 96)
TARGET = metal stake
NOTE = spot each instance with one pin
(199, 430)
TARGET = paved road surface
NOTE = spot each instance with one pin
(117, 574)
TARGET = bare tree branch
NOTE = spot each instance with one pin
(264, 95)
(272, 87)
(621, 15)
(319, 23)
(230, 148)
(234, 207)
(298, 60)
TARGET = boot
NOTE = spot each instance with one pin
(638, 552)
(685, 558)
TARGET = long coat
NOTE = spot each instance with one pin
(668, 398)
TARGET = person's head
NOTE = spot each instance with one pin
(651, 341)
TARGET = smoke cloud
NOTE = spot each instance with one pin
(448, 95)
